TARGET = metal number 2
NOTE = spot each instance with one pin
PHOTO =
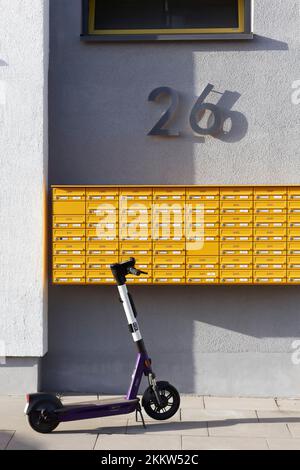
(159, 128)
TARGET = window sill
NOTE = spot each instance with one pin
(166, 37)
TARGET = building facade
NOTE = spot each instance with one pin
(221, 340)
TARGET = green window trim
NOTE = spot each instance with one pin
(243, 31)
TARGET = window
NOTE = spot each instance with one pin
(167, 19)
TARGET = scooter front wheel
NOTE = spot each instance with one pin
(42, 419)
(170, 401)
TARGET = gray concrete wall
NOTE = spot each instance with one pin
(218, 340)
(24, 53)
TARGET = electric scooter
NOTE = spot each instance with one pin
(160, 401)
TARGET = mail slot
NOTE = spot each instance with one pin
(76, 248)
(102, 233)
(136, 248)
(101, 208)
(270, 280)
(202, 263)
(270, 260)
(68, 276)
(165, 259)
(135, 217)
(138, 194)
(102, 194)
(135, 231)
(69, 262)
(270, 207)
(202, 206)
(294, 262)
(68, 194)
(294, 193)
(68, 208)
(101, 262)
(69, 221)
(236, 220)
(202, 194)
(69, 235)
(236, 191)
(270, 193)
(270, 231)
(174, 194)
(104, 247)
(202, 248)
(266, 245)
(202, 280)
(195, 230)
(100, 278)
(235, 277)
(293, 279)
(202, 273)
(103, 218)
(143, 263)
(170, 276)
(139, 280)
(209, 221)
(234, 263)
(294, 220)
(240, 206)
(274, 273)
(270, 221)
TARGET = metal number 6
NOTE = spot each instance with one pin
(198, 112)
(159, 129)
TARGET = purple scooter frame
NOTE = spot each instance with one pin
(142, 367)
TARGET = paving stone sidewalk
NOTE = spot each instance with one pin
(202, 423)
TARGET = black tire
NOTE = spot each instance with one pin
(170, 401)
(42, 419)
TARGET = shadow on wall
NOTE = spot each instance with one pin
(259, 43)
(3, 63)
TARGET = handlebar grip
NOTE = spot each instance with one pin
(136, 272)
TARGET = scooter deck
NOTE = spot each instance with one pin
(96, 409)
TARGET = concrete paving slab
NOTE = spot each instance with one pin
(12, 413)
(286, 404)
(148, 419)
(5, 437)
(223, 443)
(108, 425)
(228, 403)
(218, 415)
(54, 441)
(294, 429)
(138, 442)
(248, 429)
(284, 444)
(191, 401)
(279, 416)
(165, 428)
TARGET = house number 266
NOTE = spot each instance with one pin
(161, 127)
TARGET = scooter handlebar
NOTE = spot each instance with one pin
(136, 272)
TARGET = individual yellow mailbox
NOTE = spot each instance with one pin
(178, 234)
(69, 221)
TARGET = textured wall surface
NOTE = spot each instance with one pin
(219, 340)
(23, 161)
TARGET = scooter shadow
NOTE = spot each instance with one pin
(176, 427)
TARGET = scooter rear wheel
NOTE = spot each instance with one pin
(41, 418)
(170, 399)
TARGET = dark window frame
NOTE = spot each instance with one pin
(244, 31)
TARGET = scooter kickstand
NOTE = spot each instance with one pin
(138, 411)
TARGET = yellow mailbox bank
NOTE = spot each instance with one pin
(178, 234)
